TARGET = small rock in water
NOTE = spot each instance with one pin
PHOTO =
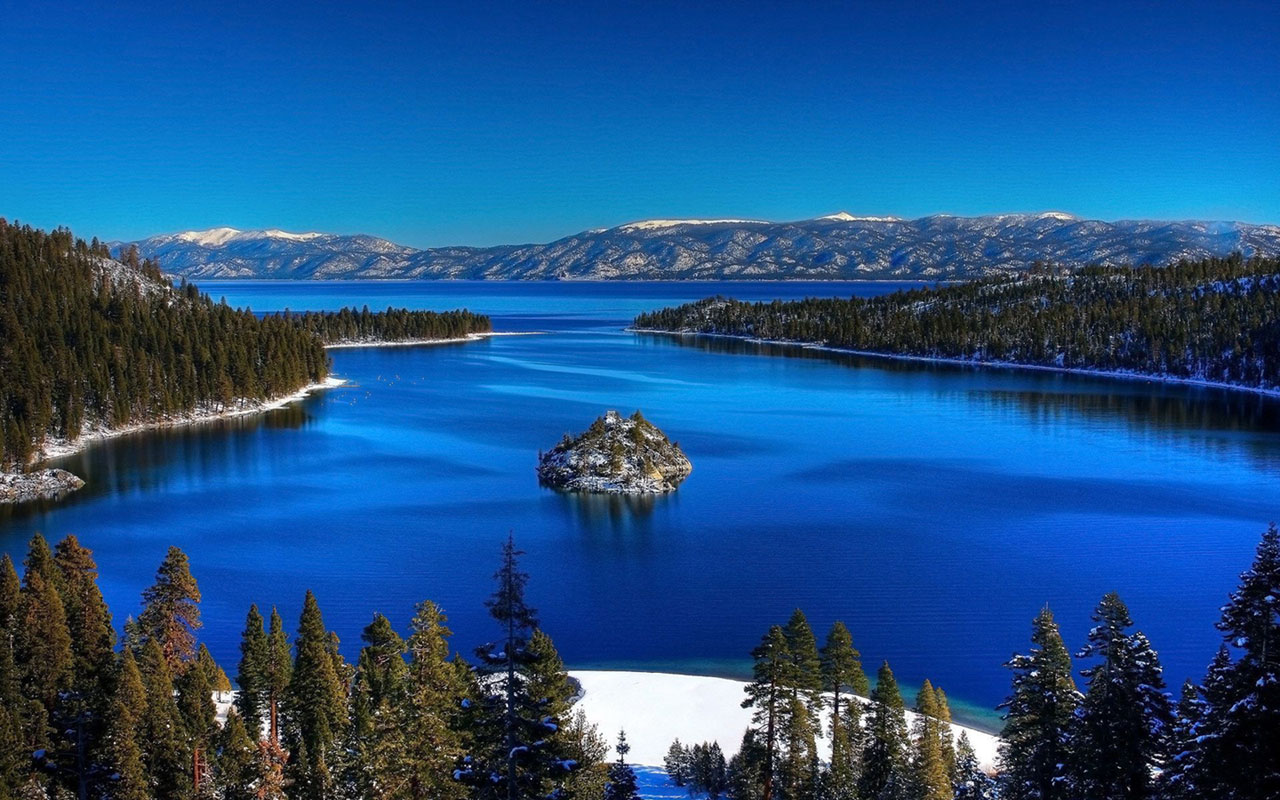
(616, 455)
(43, 484)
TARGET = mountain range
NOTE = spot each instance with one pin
(838, 246)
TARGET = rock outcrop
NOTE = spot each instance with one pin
(43, 484)
(616, 455)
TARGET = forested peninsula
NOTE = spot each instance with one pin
(1214, 321)
(93, 344)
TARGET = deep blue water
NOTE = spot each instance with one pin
(934, 509)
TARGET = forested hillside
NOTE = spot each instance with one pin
(1214, 320)
(85, 340)
(90, 342)
(349, 326)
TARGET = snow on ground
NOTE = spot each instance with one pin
(655, 708)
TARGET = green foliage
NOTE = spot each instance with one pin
(86, 341)
(315, 710)
(171, 611)
(885, 759)
(394, 324)
(1038, 719)
(1212, 320)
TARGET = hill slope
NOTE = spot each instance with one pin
(839, 246)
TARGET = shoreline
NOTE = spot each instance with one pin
(61, 448)
(470, 337)
(1168, 380)
(656, 708)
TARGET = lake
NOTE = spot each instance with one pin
(935, 509)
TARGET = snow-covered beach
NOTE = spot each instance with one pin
(655, 708)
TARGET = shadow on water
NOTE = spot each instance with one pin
(155, 459)
(1206, 415)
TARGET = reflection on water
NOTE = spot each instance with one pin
(1167, 411)
(933, 508)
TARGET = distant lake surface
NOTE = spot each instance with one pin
(935, 509)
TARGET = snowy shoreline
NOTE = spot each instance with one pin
(1171, 380)
(655, 708)
(59, 448)
(471, 337)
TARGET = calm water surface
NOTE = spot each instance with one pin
(934, 509)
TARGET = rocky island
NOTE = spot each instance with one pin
(43, 484)
(616, 455)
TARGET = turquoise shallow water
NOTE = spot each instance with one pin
(935, 509)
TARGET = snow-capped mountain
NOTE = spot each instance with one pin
(835, 246)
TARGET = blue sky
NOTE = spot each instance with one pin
(482, 123)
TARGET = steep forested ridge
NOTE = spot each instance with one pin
(85, 340)
(1214, 320)
(90, 342)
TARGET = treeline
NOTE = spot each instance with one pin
(1122, 737)
(83, 714)
(394, 324)
(85, 340)
(1214, 320)
(89, 342)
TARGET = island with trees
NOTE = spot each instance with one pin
(616, 455)
(1210, 322)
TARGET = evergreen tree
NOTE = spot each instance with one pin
(1237, 755)
(43, 652)
(12, 743)
(237, 754)
(676, 763)
(171, 611)
(587, 750)
(622, 779)
(279, 672)
(767, 694)
(124, 727)
(88, 621)
(430, 715)
(1038, 718)
(1121, 726)
(885, 765)
(315, 710)
(799, 773)
(213, 673)
(1175, 778)
(514, 724)
(931, 775)
(971, 782)
(746, 774)
(162, 736)
(709, 771)
(198, 713)
(842, 673)
(377, 735)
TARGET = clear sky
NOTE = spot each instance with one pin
(480, 123)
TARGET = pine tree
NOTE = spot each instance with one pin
(1237, 757)
(512, 723)
(1183, 748)
(236, 777)
(710, 773)
(799, 772)
(171, 611)
(278, 674)
(124, 753)
(43, 650)
(166, 753)
(430, 715)
(1038, 718)
(931, 776)
(767, 694)
(315, 709)
(88, 621)
(676, 763)
(622, 779)
(214, 674)
(745, 774)
(12, 744)
(885, 766)
(842, 673)
(588, 751)
(377, 734)
(971, 782)
(198, 714)
(1121, 726)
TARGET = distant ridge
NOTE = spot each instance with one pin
(836, 246)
